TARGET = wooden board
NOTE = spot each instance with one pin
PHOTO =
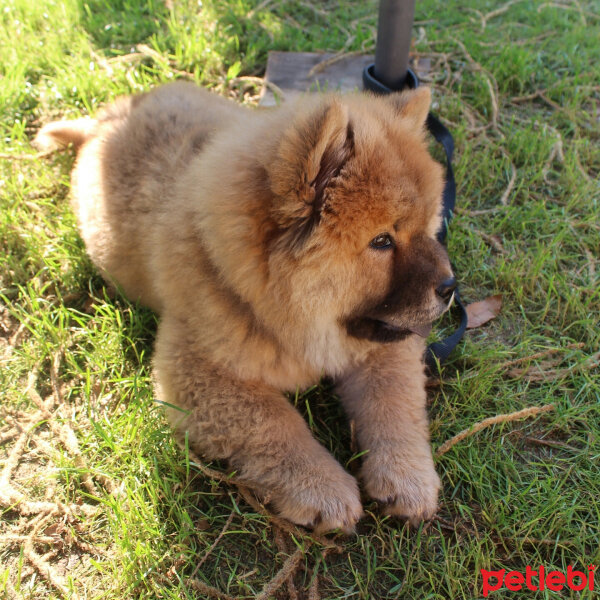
(292, 73)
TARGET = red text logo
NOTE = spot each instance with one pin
(538, 580)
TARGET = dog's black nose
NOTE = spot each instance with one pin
(446, 289)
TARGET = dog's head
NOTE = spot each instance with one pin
(357, 203)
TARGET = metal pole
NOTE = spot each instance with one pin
(394, 31)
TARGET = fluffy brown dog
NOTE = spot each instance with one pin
(277, 246)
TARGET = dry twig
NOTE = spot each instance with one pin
(11, 539)
(577, 7)
(62, 431)
(286, 571)
(492, 240)
(41, 564)
(211, 592)
(591, 263)
(313, 590)
(535, 373)
(209, 472)
(510, 186)
(555, 154)
(7, 436)
(283, 549)
(286, 526)
(42, 511)
(13, 460)
(506, 418)
(496, 13)
(542, 354)
(214, 544)
(490, 81)
(551, 444)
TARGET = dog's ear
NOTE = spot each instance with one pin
(412, 105)
(312, 152)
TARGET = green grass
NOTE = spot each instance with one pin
(520, 94)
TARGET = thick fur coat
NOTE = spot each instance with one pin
(277, 246)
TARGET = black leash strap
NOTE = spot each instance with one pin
(438, 352)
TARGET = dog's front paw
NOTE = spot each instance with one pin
(328, 500)
(404, 490)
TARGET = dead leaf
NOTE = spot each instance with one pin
(202, 524)
(483, 311)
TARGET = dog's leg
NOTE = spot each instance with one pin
(386, 397)
(257, 430)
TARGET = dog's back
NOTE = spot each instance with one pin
(129, 160)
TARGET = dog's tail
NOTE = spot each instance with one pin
(60, 134)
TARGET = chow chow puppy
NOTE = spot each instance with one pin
(277, 246)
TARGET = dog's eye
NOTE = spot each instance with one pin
(382, 242)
